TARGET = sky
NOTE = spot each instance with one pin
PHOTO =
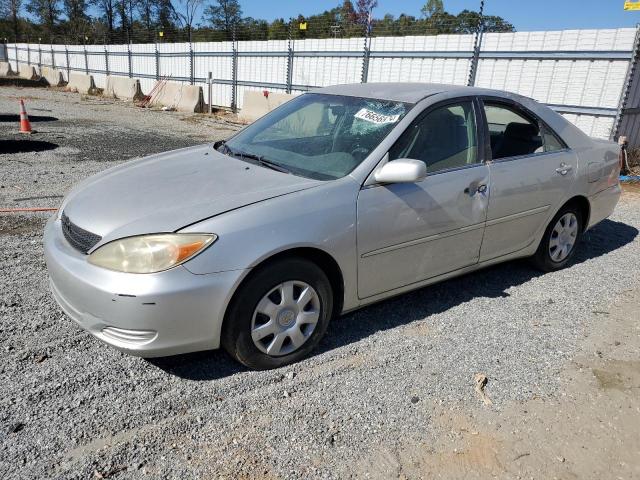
(523, 14)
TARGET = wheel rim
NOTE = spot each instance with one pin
(563, 237)
(285, 318)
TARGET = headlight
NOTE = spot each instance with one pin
(150, 253)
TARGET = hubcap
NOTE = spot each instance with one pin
(285, 318)
(563, 237)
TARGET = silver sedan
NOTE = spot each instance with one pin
(337, 199)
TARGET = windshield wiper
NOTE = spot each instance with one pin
(271, 165)
(258, 158)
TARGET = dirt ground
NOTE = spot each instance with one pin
(588, 430)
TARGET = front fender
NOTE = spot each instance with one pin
(323, 218)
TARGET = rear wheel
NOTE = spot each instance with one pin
(278, 315)
(560, 239)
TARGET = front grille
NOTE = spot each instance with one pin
(77, 237)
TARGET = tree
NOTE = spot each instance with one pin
(188, 12)
(347, 12)
(432, 7)
(147, 15)
(125, 10)
(75, 10)
(11, 9)
(494, 23)
(224, 15)
(46, 11)
(107, 9)
(278, 30)
(364, 9)
(166, 15)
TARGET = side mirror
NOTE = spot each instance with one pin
(402, 170)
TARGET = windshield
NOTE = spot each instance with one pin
(318, 136)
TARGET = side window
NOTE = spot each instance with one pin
(511, 133)
(551, 141)
(444, 138)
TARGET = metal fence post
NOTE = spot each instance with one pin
(366, 54)
(210, 96)
(66, 52)
(191, 76)
(234, 72)
(477, 45)
(86, 59)
(157, 61)
(129, 59)
(106, 58)
(290, 58)
(53, 54)
(16, 50)
(39, 55)
(28, 51)
(629, 80)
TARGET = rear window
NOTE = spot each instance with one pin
(514, 133)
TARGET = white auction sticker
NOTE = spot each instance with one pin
(374, 117)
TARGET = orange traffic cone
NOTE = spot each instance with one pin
(25, 125)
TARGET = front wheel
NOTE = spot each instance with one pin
(558, 245)
(278, 315)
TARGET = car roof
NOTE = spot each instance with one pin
(401, 91)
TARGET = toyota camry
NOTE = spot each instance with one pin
(339, 198)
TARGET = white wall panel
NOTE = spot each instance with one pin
(118, 60)
(322, 71)
(174, 67)
(580, 82)
(144, 66)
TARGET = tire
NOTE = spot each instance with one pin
(275, 307)
(549, 259)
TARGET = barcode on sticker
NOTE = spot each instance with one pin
(374, 117)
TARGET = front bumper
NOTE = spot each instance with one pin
(147, 315)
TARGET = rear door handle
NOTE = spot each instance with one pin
(563, 169)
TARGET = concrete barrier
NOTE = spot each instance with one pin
(27, 71)
(255, 104)
(53, 76)
(5, 69)
(178, 96)
(123, 88)
(81, 83)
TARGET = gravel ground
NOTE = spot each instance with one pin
(72, 407)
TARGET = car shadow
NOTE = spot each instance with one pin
(492, 282)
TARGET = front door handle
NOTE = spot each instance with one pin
(563, 169)
(473, 189)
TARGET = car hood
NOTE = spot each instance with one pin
(166, 192)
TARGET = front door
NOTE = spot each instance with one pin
(411, 232)
(531, 173)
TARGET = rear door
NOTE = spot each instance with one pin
(531, 172)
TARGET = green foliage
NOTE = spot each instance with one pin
(223, 15)
(118, 21)
(432, 7)
(46, 12)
